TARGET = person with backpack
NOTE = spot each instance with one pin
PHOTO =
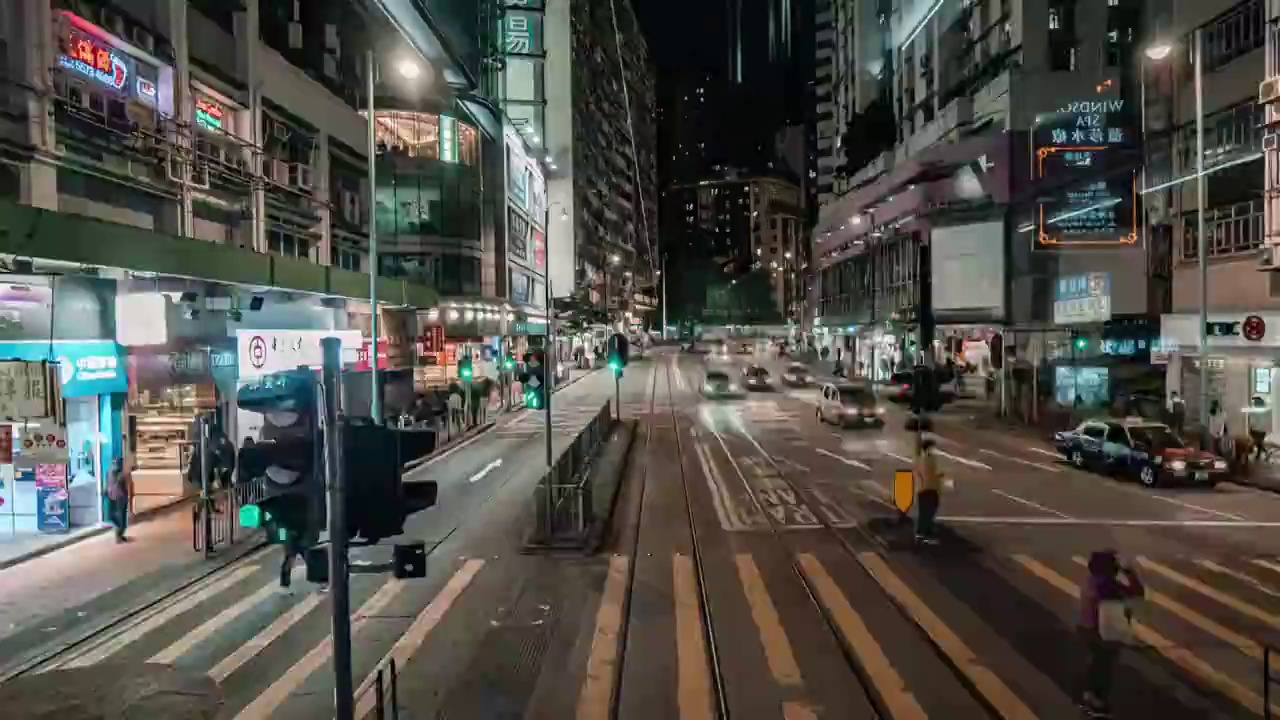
(119, 498)
(1106, 624)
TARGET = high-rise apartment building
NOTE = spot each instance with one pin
(600, 132)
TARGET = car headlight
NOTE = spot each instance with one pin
(1219, 464)
(733, 387)
(1178, 465)
(879, 411)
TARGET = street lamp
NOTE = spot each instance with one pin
(1157, 53)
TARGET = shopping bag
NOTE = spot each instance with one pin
(1115, 621)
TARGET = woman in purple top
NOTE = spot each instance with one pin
(1108, 582)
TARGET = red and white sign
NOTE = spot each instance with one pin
(262, 352)
(45, 444)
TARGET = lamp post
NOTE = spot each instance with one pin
(1158, 53)
(409, 70)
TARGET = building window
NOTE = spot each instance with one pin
(1238, 32)
(343, 258)
(282, 242)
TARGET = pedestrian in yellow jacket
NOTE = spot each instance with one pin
(928, 486)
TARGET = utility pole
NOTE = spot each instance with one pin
(375, 397)
(663, 273)
(339, 580)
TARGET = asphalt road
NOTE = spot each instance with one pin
(758, 569)
(270, 650)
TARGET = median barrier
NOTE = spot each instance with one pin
(564, 503)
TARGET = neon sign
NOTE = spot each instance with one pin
(209, 114)
(93, 59)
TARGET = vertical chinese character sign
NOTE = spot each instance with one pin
(520, 39)
(1084, 165)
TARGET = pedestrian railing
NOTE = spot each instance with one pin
(385, 689)
(1269, 679)
(568, 511)
(216, 516)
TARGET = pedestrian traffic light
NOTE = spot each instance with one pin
(1081, 342)
(509, 362)
(533, 398)
(464, 368)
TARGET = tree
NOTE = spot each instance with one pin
(576, 313)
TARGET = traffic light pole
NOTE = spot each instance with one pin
(339, 580)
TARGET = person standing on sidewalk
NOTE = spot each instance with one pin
(1177, 413)
(1259, 425)
(119, 498)
(1106, 619)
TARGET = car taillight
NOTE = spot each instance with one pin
(906, 388)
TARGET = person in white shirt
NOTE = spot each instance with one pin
(1259, 424)
(1218, 429)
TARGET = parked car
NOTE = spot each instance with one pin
(796, 375)
(1137, 448)
(849, 406)
(756, 378)
(716, 384)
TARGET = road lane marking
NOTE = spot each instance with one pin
(693, 691)
(1042, 451)
(1223, 598)
(896, 456)
(843, 459)
(1028, 463)
(485, 471)
(596, 696)
(889, 685)
(1193, 506)
(274, 696)
(798, 711)
(1237, 575)
(1033, 520)
(1173, 652)
(135, 632)
(997, 694)
(963, 460)
(179, 648)
(1266, 564)
(741, 476)
(1029, 503)
(417, 633)
(773, 638)
(1225, 634)
(259, 642)
(721, 501)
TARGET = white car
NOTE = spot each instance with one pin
(849, 406)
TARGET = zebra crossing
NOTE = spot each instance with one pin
(565, 419)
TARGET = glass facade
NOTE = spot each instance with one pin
(428, 195)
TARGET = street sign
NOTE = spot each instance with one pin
(904, 489)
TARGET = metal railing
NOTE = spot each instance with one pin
(571, 511)
(216, 516)
(386, 692)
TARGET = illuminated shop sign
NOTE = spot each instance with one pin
(1084, 154)
(209, 114)
(92, 58)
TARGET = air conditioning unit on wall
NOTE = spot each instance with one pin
(1269, 258)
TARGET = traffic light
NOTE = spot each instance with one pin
(1081, 343)
(464, 367)
(617, 351)
(509, 362)
(287, 458)
(535, 379)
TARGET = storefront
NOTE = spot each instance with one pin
(168, 389)
(1241, 363)
(93, 382)
(262, 352)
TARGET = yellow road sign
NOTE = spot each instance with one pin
(904, 489)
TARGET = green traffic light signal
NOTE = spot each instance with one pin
(531, 399)
(252, 516)
(1081, 343)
